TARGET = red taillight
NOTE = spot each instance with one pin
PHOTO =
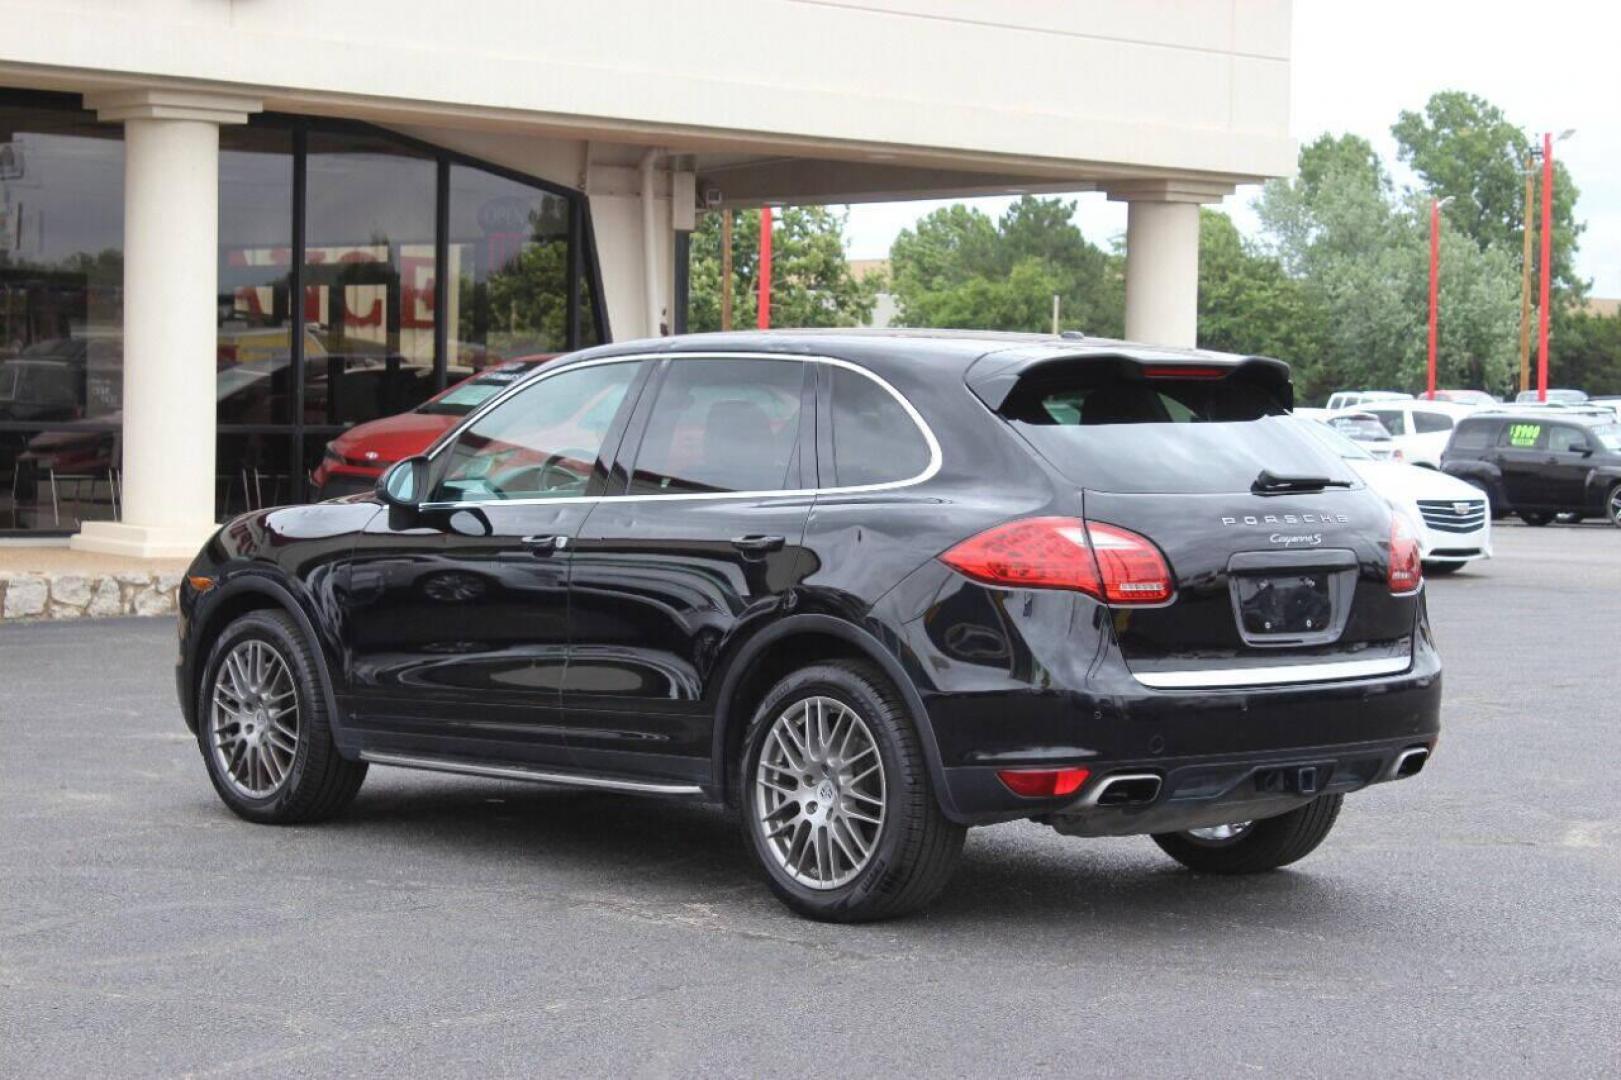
(1406, 568)
(1043, 783)
(1184, 371)
(1134, 572)
(1104, 561)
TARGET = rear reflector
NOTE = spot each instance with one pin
(1406, 568)
(1104, 561)
(1043, 783)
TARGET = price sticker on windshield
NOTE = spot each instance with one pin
(1523, 434)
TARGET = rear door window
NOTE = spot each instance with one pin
(1427, 423)
(1108, 428)
(875, 440)
(1394, 420)
(1520, 435)
(722, 425)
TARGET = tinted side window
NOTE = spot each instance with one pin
(1394, 420)
(1520, 435)
(542, 442)
(723, 425)
(1476, 436)
(1425, 423)
(1566, 440)
(875, 440)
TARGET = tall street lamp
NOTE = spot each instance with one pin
(1547, 258)
(1435, 280)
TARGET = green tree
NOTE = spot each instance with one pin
(958, 269)
(1362, 258)
(1248, 304)
(1463, 146)
(811, 282)
(1586, 352)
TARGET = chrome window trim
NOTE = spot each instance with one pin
(552, 371)
(1284, 675)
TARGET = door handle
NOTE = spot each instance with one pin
(544, 544)
(757, 545)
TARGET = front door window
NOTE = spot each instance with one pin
(543, 442)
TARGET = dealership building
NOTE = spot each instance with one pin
(230, 229)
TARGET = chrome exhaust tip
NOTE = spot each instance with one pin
(1410, 762)
(1125, 789)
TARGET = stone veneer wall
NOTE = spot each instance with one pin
(77, 596)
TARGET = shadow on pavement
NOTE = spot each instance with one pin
(687, 852)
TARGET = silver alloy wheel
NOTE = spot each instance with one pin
(1221, 834)
(1615, 505)
(253, 724)
(819, 792)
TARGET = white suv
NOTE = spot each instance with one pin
(1420, 428)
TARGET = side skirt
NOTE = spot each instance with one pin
(538, 776)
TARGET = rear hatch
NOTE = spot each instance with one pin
(1278, 552)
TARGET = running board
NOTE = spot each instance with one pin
(538, 776)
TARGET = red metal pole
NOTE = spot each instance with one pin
(764, 306)
(1547, 268)
(1435, 282)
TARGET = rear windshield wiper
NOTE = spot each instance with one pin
(1270, 483)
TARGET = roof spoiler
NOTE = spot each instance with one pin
(993, 378)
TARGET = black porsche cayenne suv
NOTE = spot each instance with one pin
(867, 588)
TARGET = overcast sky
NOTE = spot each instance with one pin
(1357, 72)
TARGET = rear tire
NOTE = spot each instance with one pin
(264, 729)
(1265, 845)
(901, 863)
(1535, 517)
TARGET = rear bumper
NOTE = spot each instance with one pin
(1063, 701)
(1196, 793)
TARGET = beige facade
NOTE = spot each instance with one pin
(657, 110)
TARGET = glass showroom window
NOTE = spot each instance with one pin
(61, 315)
(508, 268)
(256, 381)
(368, 277)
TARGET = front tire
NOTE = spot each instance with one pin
(1612, 506)
(1535, 517)
(1443, 568)
(1259, 845)
(835, 799)
(263, 726)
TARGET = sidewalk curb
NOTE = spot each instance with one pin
(37, 596)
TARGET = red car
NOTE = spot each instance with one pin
(355, 459)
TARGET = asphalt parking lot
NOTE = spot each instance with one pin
(1466, 923)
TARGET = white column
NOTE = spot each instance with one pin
(171, 254)
(1162, 257)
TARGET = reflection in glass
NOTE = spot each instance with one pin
(61, 315)
(509, 269)
(368, 278)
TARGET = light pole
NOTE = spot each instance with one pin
(1435, 280)
(1547, 258)
(763, 306)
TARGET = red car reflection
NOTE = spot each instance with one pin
(355, 459)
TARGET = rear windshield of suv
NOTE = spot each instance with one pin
(1110, 429)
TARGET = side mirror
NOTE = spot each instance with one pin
(405, 484)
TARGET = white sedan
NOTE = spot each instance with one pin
(1453, 521)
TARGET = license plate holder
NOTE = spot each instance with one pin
(1291, 598)
(1292, 604)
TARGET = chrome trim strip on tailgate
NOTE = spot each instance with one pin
(518, 772)
(1209, 678)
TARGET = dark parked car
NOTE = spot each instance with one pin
(869, 589)
(1539, 462)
